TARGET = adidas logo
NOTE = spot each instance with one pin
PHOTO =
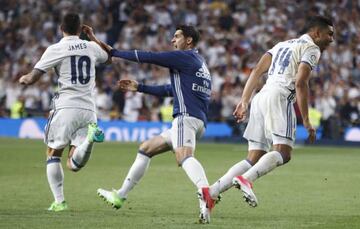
(203, 72)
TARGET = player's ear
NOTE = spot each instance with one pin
(317, 32)
(189, 40)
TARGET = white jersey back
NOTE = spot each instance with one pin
(286, 58)
(74, 62)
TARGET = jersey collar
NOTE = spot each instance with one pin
(72, 37)
(307, 38)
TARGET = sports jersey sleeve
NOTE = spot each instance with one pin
(311, 56)
(101, 55)
(271, 51)
(49, 59)
(161, 91)
(170, 59)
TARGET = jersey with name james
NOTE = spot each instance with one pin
(74, 62)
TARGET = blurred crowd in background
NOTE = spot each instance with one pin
(234, 35)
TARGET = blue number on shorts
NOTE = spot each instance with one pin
(283, 56)
(80, 63)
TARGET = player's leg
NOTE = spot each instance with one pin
(258, 145)
(196, 173)
(55, 176)
(147, 150)
(226, 181)
(282, 129)
(87, 132)
(256, 152)
(279, 156)
(253, 131)
(56, 138)
(184, 133)
(282, 126)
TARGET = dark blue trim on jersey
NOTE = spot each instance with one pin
(162, 90)
(305, 62)
(40, 70)
(269, 53)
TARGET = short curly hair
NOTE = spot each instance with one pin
(190, 31)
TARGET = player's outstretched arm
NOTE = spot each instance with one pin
(261, 67)
(157, 90)
(302, 98)
(31, 77)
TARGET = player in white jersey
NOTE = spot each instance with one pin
(73, 119)
(272, 120)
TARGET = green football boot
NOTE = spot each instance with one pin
(95, 134)
(111, 197)
(57, 207)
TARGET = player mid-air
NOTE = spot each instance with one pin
(72, 120)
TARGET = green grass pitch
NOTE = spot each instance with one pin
(319, 188)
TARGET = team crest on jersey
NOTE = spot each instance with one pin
(203, 72)
(313, 58)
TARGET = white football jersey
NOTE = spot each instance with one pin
(74, 62)
(286, 58)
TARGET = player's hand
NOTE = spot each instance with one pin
(23, 80)
(240, 111)
(128, 85)
(311, 132)
(88, 31)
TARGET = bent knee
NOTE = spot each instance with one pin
(182, 156)
(286, 157)
(145, 149)
(71, 166)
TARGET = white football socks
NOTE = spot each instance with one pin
(81, 155)
(225, 182)
(195, 172)
(267, 163)
(134, 175)
(55, 176)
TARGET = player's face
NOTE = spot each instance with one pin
(179, 41)
(325, 37)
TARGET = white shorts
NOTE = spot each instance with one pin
(272, 119)
(67, 126)
(185, 130)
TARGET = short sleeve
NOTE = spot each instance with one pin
(311, 56)
(101, 54)
(49, 59)
(271, 51)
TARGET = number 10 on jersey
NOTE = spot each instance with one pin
(77, 69)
